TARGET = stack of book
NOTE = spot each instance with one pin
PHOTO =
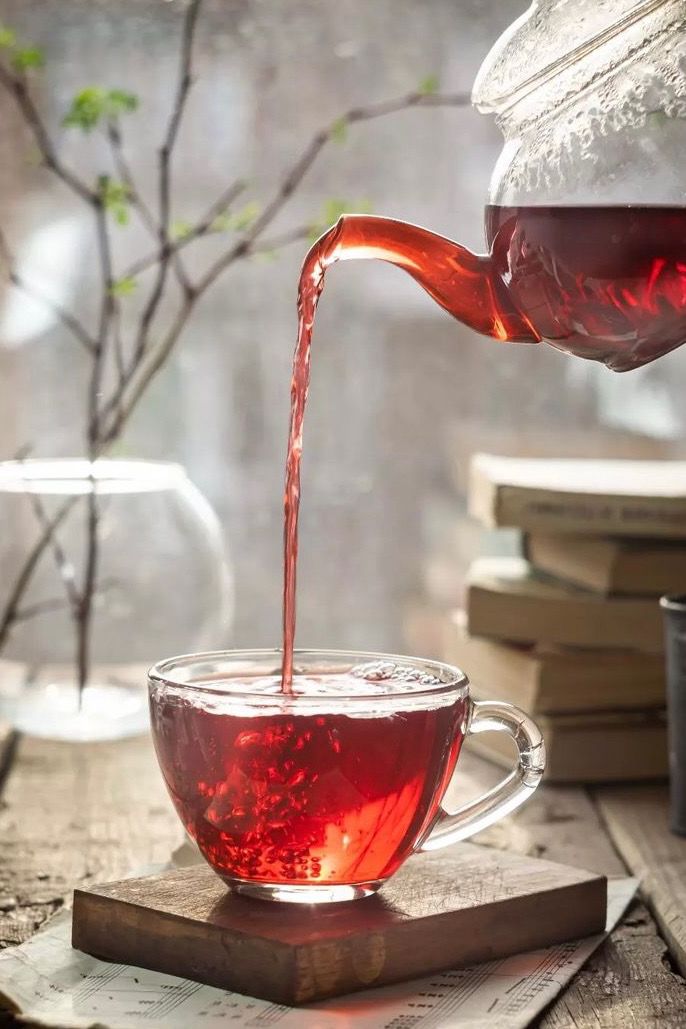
(571, 631)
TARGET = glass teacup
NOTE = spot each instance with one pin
(320, 795)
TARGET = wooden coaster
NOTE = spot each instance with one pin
(442, 910)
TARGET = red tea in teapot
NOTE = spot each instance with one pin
(606, 283)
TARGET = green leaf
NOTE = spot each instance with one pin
(265, 256)
(237, 221)
(331, 211)
(115, 198)
(8, 38)
(118, 101)
(28, 57)
(333, 208)
(220, 223)
(86, 109)
(339, 130)
(244, 218)
(428, 86)
(180, 229)
(94, 103)
(123, 287)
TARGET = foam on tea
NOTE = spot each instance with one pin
(332, 792)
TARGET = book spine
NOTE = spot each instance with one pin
(544, 510)
(569, 621)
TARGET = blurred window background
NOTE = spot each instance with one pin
(401, 395)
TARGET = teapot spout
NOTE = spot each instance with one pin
(463, 283)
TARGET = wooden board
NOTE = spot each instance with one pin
(638, 821)
(442, 910)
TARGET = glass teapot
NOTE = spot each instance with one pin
(586, 215)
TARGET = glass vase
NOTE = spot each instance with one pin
(103, 567)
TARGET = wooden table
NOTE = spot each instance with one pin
(74, 814)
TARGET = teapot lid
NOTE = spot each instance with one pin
(550, 37)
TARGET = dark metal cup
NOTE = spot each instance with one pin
(675, 638)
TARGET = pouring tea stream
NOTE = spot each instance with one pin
(585, 221)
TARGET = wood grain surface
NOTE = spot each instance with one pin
(440, 911)
(637, 819)
(73, 815)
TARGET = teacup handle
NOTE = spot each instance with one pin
(492, 716)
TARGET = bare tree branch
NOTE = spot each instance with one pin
(185, 81)
(41, 607)
(284, 239)
(125, 175)
(182, 90)
(202, 228)
(84, 614)
(302, 165)
(108, 305)
(137, 201)
(124, 405)
(64, 566)
(67, 319)
(107, 416)
(126, 400)
(118, 346)
(8, 615)
(17, 87)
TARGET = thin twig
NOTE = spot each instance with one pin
(17, 87)
(121, 406)
(302, 165)
(118, 346)
(61, 314)
(125, 174)
(85, 611)
(64, 566)
(108, 304)
(41, 607)
(8, 615)
(185, 81)
(137, 201)
(295, 235)
(201, 228)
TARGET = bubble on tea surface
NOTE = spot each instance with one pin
(403, 678)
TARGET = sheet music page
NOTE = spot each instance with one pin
(48, 981)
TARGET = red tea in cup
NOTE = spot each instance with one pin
(320, 794)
